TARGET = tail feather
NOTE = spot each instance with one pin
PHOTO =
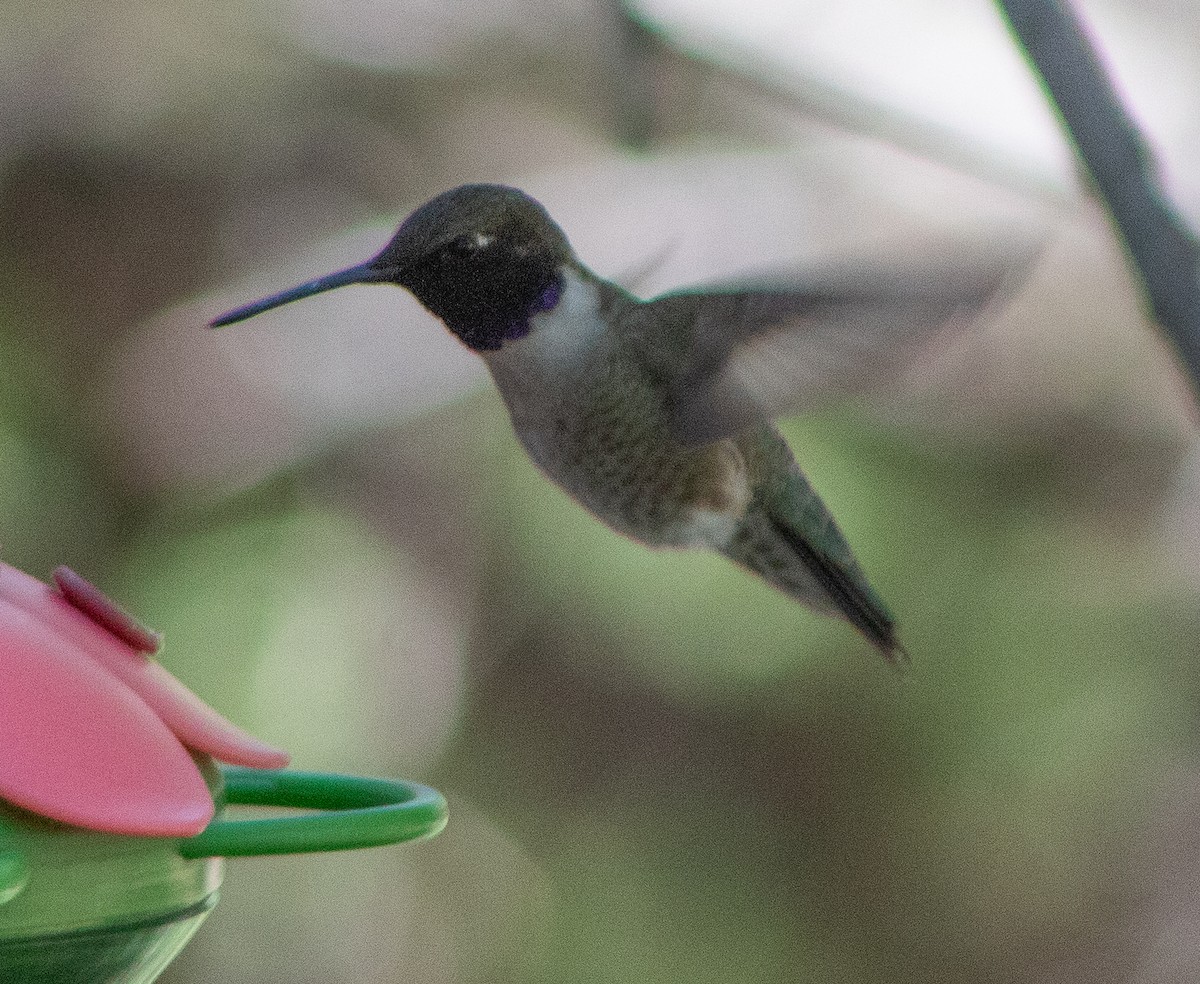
(851, 598)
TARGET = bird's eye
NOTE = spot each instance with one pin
(466, 246)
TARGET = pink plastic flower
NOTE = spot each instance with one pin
(93, 731)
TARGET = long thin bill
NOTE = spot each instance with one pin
(364, 273)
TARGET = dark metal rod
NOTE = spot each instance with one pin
(1163, 249)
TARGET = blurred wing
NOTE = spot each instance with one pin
(753, 353)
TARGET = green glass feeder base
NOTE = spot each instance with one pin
(118, 953)
(81, 907)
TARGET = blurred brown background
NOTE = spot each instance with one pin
(658, 769)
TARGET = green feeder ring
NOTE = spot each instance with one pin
(356, 812)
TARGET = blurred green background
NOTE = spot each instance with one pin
(658, 769)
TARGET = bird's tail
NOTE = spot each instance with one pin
(811, 562)
(852, 596)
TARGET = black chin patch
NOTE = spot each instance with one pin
(488, 298)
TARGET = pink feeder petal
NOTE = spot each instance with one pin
(45, 604)
(199, 726)
(81, 747)
(195, 723)
(105, 612)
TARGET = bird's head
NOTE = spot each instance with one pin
(484, 258)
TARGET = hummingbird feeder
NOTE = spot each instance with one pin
(114, 778)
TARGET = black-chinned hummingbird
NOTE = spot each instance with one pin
(654, 414)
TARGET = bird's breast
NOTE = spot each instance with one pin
(595, 421)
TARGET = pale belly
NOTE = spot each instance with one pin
(609, 446)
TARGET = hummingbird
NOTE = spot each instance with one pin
(655, 415)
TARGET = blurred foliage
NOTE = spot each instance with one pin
(658, 769)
